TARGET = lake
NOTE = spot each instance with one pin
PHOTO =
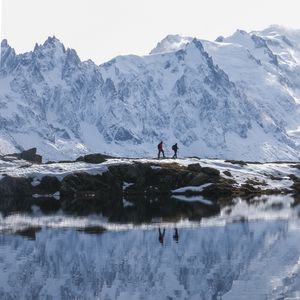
(227, 256)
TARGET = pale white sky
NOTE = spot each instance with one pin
(102, 29)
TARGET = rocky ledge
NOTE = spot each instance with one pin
(138, 190)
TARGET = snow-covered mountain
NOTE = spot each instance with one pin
(237, 97)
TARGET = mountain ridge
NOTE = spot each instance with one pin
(211, 97)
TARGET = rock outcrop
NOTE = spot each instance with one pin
(132, 190)
(28, 155)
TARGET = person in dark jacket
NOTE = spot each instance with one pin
(175, 149)
(160, 150)
(161, 235)
(176, 235)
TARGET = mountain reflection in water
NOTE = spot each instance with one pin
(242, 260)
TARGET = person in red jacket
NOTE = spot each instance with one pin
(160, 150)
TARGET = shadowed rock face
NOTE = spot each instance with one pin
(29, 155)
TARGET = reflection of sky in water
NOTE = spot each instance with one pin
(243, 260)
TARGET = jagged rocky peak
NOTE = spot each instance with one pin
(53, 52)
(8, 54)
(171, 43)
(5, 46)
(52, 47)
(52, 42)
(4, 43)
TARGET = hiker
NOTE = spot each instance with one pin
(160, 150)
(175, 149)
(161, 235)
(176, 235)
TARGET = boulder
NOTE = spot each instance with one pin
(236, 162)
(210, 171)
(200, 179)
(15, 194)
(218, 190)
(227, 173)
(31, 156)
(97, 158)
(194, 167)
(15, 187)
(48, 185)
(83, 193)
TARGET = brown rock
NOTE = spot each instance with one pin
(30, 155)
(194, 167)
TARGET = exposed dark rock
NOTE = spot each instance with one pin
(30, 155)
(15, 187)
(221, 190)
(85, 193)
(296, 185)
(227, 173)
(247, 188)
(275, 177)
(237, 162)
(296, 166)
(255, 182)
(48, 184)
(97, 158)
(194, 167)
(130, 172)
(210, 171)
(199, 179)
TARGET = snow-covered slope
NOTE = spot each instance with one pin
(234, 98)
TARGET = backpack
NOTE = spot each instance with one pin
(173, 147)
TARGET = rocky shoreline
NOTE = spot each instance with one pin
(138, 190)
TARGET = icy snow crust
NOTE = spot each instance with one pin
(237, 98)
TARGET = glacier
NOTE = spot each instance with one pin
(234, 98)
